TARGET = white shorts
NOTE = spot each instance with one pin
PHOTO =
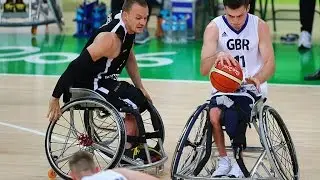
(105, 175)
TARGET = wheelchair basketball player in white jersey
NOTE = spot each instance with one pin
(236, 37)
(83, 167)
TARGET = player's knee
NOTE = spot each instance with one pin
(135, 95)
(215, 114)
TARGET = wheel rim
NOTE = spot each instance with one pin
(66, 135)
(280, 147)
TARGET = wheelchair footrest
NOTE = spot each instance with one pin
(151, 135)
(140, 139)
(12, 15)
(136, 139)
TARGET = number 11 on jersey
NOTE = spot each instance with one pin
(241, 60)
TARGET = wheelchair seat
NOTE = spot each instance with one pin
(84, 93)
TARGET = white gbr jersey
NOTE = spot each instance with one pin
(242, 44)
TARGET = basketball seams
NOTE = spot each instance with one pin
(226, 78)
(227, 75)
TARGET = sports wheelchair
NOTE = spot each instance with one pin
(91, 123)
(272, 157)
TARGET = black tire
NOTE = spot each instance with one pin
(77, 105)
(183, 140)
(289, 146)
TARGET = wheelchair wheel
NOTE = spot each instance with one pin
(74, 132)
(280, 148)
(193, 145)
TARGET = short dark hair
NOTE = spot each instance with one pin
(235, 4)
(127, 5)
(81, 161)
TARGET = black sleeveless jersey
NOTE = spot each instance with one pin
(111, 68)
(84, 73)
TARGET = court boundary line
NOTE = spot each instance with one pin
(23, 128)
(32, 131)
(167, 80)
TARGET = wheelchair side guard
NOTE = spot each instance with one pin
(156, 124)
(75, 93)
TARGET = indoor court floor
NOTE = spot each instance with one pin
(30, 66)
(24, 101)
(171, 75)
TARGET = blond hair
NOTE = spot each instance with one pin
(81, 161)
(129, 3)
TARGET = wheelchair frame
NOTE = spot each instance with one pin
(206, 146)
(88, 101)
(37, 13)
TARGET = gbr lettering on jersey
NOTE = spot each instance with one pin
(242, 44)
(239, 44)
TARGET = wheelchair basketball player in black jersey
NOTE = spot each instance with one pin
(106, 53)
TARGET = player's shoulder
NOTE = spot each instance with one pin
(262, 25)
(104, 37)
(257, 18)
(212, 26)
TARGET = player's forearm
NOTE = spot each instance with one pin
(266, 71)
(133, 71)
(206, 64)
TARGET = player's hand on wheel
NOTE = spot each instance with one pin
(54, 111)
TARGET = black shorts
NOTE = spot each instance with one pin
(121, 94)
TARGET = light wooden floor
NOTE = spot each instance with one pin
(24, 100)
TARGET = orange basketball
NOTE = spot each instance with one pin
(52, 174)
(226, 78)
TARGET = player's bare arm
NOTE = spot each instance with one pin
(266, 50)
(133, 71)
(209, 47)
(209, 54)
(106, 44)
